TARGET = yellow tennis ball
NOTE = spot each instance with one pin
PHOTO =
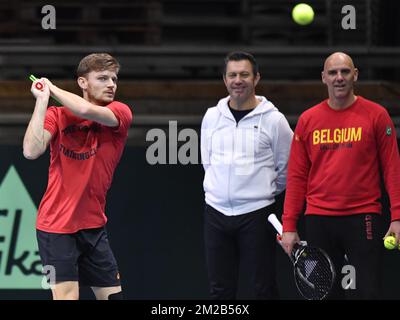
(390, 242)
(303, 14)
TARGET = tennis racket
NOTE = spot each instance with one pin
(314, 273)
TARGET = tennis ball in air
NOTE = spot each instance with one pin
(303, 14)
(390, 242)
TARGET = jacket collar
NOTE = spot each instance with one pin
(263, 107)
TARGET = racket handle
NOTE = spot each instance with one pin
(298, 249)
(273, 219)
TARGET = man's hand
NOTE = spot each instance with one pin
(43, 92)
(288, 241)
(394, 229)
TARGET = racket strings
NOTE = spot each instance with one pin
(314, 273)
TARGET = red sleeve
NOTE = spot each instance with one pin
(123, 114)
(297, 179)
(389, 160)
(50, 121)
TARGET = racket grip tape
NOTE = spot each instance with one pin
(38, 85)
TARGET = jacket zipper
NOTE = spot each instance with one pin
(231, 165)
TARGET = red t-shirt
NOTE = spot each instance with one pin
(337, 160)
(83, 157)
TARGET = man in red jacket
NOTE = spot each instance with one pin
(86, 138)
(341, 149)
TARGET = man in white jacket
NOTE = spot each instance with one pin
(245, 144)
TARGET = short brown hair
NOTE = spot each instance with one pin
(239, 56)
(97, 62)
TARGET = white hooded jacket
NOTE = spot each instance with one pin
(245, 163)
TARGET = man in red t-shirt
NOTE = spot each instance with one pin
(341, 149)
(86, 137)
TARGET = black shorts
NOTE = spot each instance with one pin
(84, 256)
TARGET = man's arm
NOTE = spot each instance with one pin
(36, 138)
(389, 160)
(297, 179)
(282, 141)
(82, 108)
(296, 189)
(281, 148)
(204, 141)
